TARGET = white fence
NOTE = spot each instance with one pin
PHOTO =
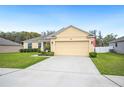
(103, 49)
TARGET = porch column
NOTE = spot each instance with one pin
(42, 46)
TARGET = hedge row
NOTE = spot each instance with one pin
(30, 50)
(41, 53)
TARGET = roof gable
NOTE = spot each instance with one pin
(8, 42)
(71, 26)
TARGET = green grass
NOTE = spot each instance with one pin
(18, 60)
(110, 63)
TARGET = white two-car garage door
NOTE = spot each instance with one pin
(71, 48)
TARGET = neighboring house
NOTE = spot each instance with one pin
(38, 42)
(9, 46)
(118, 45)
(67, 41)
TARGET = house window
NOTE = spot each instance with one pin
(29, 45)
(116, 44)
(39, 45)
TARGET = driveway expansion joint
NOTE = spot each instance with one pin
(64, 71)
(113, 81)
(9, 72)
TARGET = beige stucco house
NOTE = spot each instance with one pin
(72, 41)
(68, 41)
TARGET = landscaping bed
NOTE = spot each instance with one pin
(110, 63)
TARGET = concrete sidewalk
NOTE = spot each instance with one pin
(35, 78)
(4, 71)
(58, 71)
(116, 79)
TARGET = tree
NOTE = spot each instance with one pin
(18, 36)
(93, 32)
(108, 38)
(100, 39)
(47, 33)
(103, 41)
(23, 35)
(98, 36)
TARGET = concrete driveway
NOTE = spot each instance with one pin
(58, 71)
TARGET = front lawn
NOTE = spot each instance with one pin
(110, 63)
(18, 60)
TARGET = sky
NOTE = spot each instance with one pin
(107, 19)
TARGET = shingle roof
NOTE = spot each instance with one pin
(6, 42)
(62, 29)
(118, 40)
(47, 38)
(37, 39)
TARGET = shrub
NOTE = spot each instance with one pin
(25, 50)
(93, 54)
(49, 53)
(38, 50)
(46, 54)
(21, 50)
(35, 50)
(43, 53)
(30, 50)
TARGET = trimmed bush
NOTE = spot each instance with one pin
(49, 53)
(35, 50)
(30, 50)
(41, 53)
(93, 54)
(25, 50)
(21, 50)
(38, 50)
(46, 54)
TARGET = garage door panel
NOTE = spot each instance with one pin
(71, 48)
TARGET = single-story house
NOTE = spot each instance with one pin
(67, 41)
(118, 45)
(9, 46)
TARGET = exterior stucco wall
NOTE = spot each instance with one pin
(6, 49)
(52, 45)
(34, 45)
(119, 48)
(72, 32)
